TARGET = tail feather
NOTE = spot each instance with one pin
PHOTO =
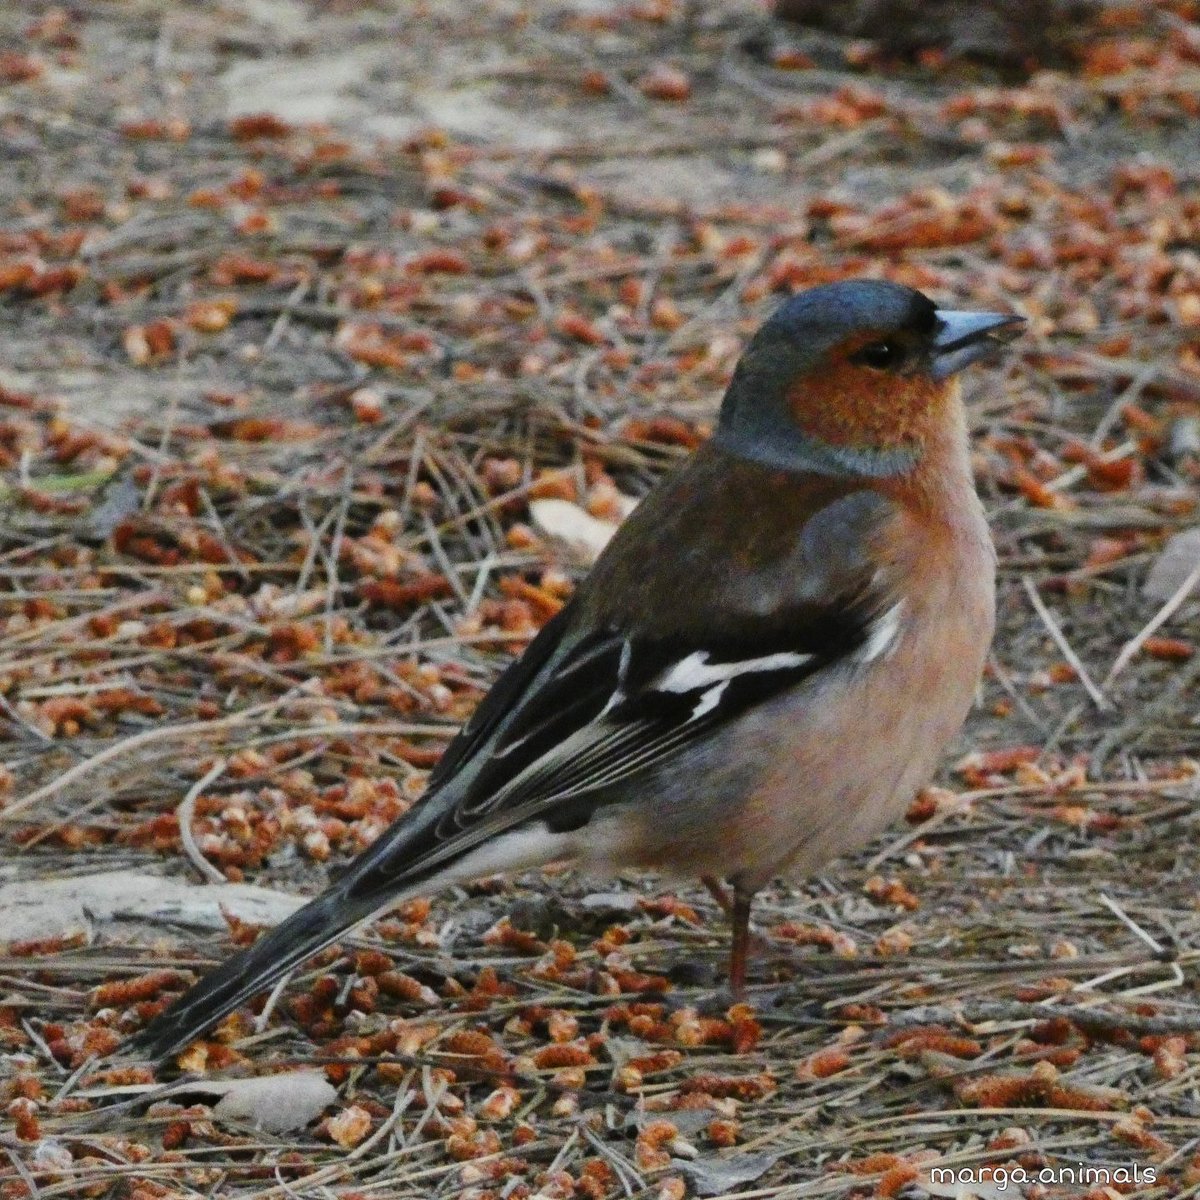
(407, 859)
(385, 873)
(305, 933)
(401, 863)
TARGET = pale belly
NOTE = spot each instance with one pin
(822, 770)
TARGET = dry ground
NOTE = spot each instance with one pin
(276, 395)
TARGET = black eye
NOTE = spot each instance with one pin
(880, 355)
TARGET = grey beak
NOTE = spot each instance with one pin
(962, 338)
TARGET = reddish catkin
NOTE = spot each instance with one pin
(1039, 1088)
(258, 125)
(567, 1054)
(472, 1043)
(652, 1149)
(737, 1087)
(506, 935)
(895, 1178)
(910, 1043)
(1132, 1130)
(1059, 1056)
(575, 325)
(745, 1034)
(823, 1063)
(23, 1113)
(1170, 1057)
(128, 991)
(872, 1164)
(663, 1060)
(39, 947)
(405, 987)
(1168, 649)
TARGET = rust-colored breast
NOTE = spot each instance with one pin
(849, 406)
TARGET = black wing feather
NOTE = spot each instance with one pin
(500, 699)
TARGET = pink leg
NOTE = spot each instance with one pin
(718, 891)
(740, 948)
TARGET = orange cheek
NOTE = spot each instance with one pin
(848, 405)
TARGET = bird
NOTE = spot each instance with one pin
(759, 672)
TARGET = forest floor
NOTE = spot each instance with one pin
(305, 307)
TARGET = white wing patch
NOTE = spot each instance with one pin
(883, 634)
(695, 671)
(618, 696)
(709, 700)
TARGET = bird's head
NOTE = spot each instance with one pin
(852, 378)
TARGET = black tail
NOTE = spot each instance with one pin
(415, 854)
(253, 970)
(388, 871)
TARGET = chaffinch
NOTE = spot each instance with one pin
(759, 672)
